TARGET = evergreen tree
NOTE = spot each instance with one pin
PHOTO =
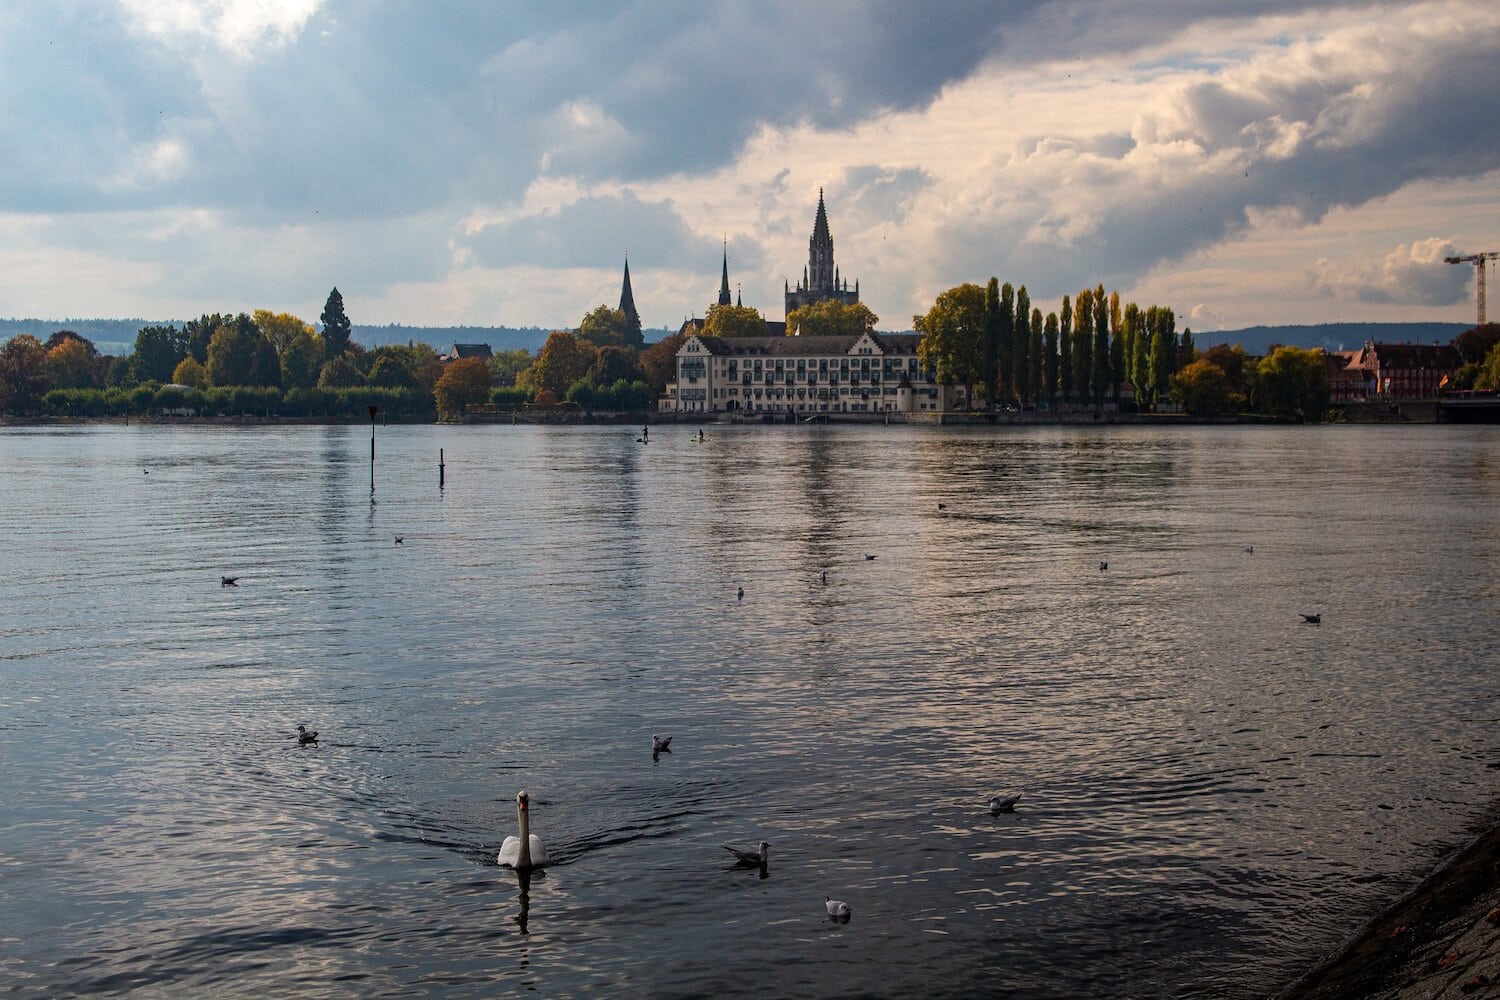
(1139, 363)
(336, 326)
(1007, 340)
(158, 351)
(1036, 354)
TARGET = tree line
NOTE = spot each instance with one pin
(269, 364)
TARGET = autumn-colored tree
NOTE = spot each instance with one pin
(563, 360)
(659, 361)
(23, 377)
(733, 321)
(545, 397)
(953, 335)
(339, 373)
(1082, 347)
(239, 355)
(464, 383)
(830, 318)
(280, 328)
(1203, 389)
(190, 372)
(70, 364)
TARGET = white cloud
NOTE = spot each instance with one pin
(239, 26)
(1412, 274)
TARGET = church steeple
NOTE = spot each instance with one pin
(627, 299)
(724, 298)
(820, 278)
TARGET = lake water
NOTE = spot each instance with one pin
(1214, 795)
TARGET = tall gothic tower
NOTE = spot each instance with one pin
(820, 280)
(724, 282)
(627, 303)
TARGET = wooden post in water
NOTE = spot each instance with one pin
(440, 468)
(373, 410)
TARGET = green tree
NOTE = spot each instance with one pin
(465, 382)
(992, 340)
(1139, 363)
(1065, 351)
(1083, 345)
(606, 327)
(23, 376)
(830, 318)
(952, 343)
(1163, 326)
(339, 373)
(1118, 337)
(611, 365)
(659, 361)
(1293, 382)
(190, 372)
(198, 332)
(336, 326)
(389, 373)
(506, 365)
(1099, 378)
(158, 349)
(281, 328)
(1050, 335)
(563, 360)
(1007, 341)
(1203, 389)
(1488, 376)
(1474, 345)
(1035, 354)
(733, 321)
(1021, 351)
(301, 358)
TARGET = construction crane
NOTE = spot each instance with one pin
(1478, 260)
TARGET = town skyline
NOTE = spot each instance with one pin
(491, 165)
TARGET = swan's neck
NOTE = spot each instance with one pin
(523, 859)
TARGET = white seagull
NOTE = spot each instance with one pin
(759, 857)
(837, 908)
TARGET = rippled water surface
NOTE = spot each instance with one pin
(1214, 795)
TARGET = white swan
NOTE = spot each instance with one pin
(837, 908)
(759, 857)
(526, 851)
(1004, 804)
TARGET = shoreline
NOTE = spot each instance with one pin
(1440, 939)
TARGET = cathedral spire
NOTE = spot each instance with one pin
(627, 299)
(724, 298)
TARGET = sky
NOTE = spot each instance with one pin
(483, 162)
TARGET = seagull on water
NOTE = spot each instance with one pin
(1316, 619)
(837, 908)
(744, 857)
(868, 557)
(1004, 804)
(306, 736)
(229, 581)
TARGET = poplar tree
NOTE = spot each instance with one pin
(1116, 346)
(1049, 358)
(1007, 339)
(1023, 344)
(1083, 343)
(1100, 378)
(1140, 352)
(992, 340)
(1036, 354)
(1065, 351)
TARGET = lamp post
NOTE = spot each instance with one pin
(373, 410)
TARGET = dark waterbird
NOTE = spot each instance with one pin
(400, 539)
(661, 744)
(306, 736)
(1316, 619)
(1103, 565)
(1004, 804)
(229, 581)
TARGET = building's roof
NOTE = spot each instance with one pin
(470, 351)
(801, 347)
(1441, 356)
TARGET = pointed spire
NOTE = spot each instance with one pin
(627, 298)
(820, 224)
(737, 300)
(724, 299)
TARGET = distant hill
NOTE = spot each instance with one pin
(117, 336)
(1330, 336)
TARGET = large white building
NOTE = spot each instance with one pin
(806, 376)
